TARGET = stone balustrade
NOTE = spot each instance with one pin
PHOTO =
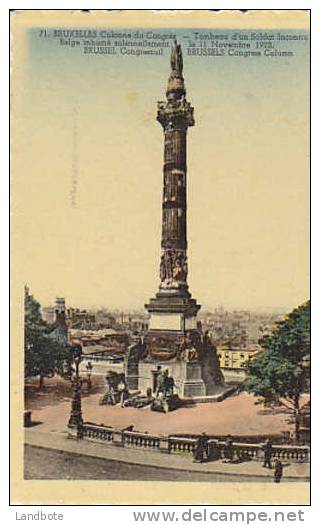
(184, 445)
(254, 451)
(92, 431)
(291, 453)
(177, 444)
(241, 451)
(140, 439)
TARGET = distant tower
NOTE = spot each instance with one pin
(60, 305)
(60, 332)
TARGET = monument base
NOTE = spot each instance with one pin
(187, 377)
(173, 309)
(187, 357)
(174, 322)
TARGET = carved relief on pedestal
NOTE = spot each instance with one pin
(173, 268)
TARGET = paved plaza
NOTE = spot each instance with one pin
(41, 463)
(47, 440)
(236, 415)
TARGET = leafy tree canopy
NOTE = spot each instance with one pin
(44, 355)
(281, 372)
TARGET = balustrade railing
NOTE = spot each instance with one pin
(184, 445)
(140, 439)
(291, 452)
(176, 444)
(242, 451)
(97, 432)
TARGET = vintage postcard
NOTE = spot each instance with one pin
(160, 337)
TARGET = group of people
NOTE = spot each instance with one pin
(164, 384)
(205, 451)
(117, 390)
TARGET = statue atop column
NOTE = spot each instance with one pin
(176, 60)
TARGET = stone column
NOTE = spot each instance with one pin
(173, 308)
(175, 115)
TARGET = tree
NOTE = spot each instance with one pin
(44, 354)
(280, 374)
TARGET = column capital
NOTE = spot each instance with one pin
(175, 115)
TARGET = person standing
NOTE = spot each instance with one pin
(213, 451)
(161, 378)
(267, 449)
(278, 469)
(228, 450)
(122, 389)
(201, 448)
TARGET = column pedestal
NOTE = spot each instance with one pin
(187, 377)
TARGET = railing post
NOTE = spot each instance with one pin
(164, 445)
(260, 454)
(118, 438)
(72, 433)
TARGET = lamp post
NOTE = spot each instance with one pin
(89, 368)
(75, 419)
